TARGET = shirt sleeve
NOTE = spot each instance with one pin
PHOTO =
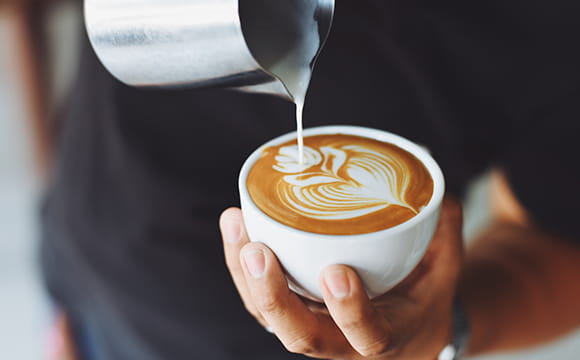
(543, 167)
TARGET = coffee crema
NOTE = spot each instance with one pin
(346, 185)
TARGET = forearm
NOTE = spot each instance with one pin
(29, 54)
(520, 288)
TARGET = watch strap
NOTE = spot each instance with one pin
(459, 336)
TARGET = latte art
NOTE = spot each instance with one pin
(345, 185)
(351, 181)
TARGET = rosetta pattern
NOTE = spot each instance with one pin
(341, 182)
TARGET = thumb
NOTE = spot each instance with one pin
(447, 242)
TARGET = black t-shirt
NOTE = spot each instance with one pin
(131, 243)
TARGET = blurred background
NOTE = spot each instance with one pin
(26, 320)
(24, 314)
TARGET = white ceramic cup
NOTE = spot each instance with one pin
(382, 259)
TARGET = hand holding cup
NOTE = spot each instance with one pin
(411, 321)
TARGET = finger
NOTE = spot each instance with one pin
(363, 326)
(450, 225)
(315, 306)
(234, 238)
(447, 243)
(296, 326)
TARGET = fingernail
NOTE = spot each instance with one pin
(337, 282)
(232, 231)
(255, 262)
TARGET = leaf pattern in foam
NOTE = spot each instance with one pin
(382, 177)
(371, 183)
(287, 159)
(333, 159)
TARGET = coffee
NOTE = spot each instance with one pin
(346, 185)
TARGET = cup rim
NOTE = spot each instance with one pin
(418, 151)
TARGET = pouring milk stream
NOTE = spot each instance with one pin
(297, 39)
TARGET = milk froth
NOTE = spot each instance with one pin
(346, 185)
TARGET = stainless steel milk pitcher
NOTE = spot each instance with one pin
(202, 43)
